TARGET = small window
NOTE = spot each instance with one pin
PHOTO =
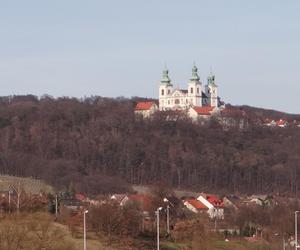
(192, 90)
(169, 102)
(169, 91)
(162, 92)
(197, 90)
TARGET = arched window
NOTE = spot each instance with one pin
(192, 90)
(162, 92)
(197, 90)
(169, 91)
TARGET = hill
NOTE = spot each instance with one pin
(98, 145)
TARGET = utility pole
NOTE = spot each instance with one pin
(157, 226)
(168, 219)
(296, 230)
(18, 197)
(215, 212)
(9, 202)
(56, 206)
(84, 229)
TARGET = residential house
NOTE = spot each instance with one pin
(205, 113)
(195, 206)
(119, 198)
(145, 109)
(282, 123)
(142, 201)
(215, 206)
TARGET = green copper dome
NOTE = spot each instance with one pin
(195, 76)
(211, 79)
(165, 79)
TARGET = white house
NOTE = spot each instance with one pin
(146, 109)
(202, 112)
(195, 206)
(215, 206)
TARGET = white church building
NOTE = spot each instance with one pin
(196, 94)
(198, 100)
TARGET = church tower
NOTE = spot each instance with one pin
(165, 91)
(195, 89)
(211, 90)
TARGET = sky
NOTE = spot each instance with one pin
(119, 48)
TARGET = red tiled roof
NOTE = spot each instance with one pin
(214, 201)
(204, 110)
(80, 197)
(143, 200)
(281, 122)
(197, 204)
(144, 105)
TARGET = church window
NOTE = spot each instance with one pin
(197, 90)
(192, 90)
(162, 92)
(177, 101)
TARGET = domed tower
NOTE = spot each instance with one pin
(211, 90)
(165, 90)
(195, 88)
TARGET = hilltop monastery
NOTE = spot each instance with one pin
(198, 100)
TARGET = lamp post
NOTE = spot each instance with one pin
(56, 206)
(296, 230)
(168, 219)
(9, 201)
(84, 229)
(168, 215)
(157, 226)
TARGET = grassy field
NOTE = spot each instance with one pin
(30, 185)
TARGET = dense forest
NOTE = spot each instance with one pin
(99, 146)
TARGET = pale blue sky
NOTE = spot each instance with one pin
(118, 48)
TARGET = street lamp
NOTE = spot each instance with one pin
(56, 206)
(9, 201)
(168, 216)
(84, 229)
(157, 225)
(296, 230)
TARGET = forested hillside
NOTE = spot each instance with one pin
(98, 145)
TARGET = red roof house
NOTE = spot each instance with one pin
(143, 201)
(215, 201)
(145, 108)
(281, 123)
(80, 197)
(204, 110)
(195, 206)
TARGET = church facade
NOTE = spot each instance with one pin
(197, 101)
(196, 95)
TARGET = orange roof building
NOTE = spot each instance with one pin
(146, 109)
(195, 206)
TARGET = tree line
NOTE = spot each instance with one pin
(99, 145)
